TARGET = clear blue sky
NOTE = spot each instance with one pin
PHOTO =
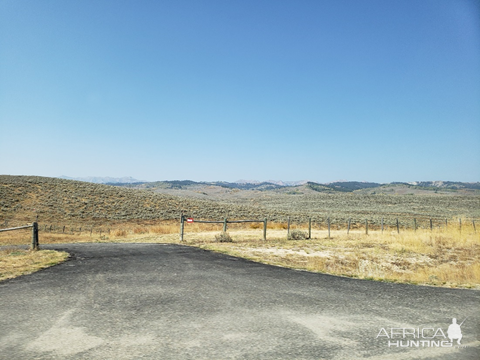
(225, 90)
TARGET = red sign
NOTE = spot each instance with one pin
(189, 220)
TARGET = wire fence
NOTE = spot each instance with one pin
(327, 223)
(385, 224)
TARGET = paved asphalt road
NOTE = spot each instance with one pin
(154, 301)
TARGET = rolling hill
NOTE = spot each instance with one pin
(22, 198)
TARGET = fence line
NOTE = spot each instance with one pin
(367, 223)
(34, 227)
(415, 223)
(17, 228)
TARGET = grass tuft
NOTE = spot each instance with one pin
(297, 235)
(223, 237)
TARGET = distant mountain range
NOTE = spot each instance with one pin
(276, 182)
(337, 186)
(104, 180)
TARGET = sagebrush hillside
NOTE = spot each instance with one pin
(25, 197)
(22, 198)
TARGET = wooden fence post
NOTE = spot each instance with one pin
(460, 224)
(474, 228)
(348, 226)
(366, 227)
(224, 225)
(431, 225)
(398, 228)
(382, 225)
(414, 224)
(265, 229)
(35, 236)
(446, 223)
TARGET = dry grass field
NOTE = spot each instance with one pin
(441, 257)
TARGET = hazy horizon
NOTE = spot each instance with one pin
(133, 179)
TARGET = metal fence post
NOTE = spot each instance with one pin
(288, 228)
(181, 227)
(265, 229)
(328, 221)
(309, 227)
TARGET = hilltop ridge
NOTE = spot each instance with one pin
(341, 185)
(22, 198)
(418, 187)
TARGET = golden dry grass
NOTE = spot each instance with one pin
(440, 257)
(16, 262)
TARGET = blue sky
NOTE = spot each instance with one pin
(225, 90)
